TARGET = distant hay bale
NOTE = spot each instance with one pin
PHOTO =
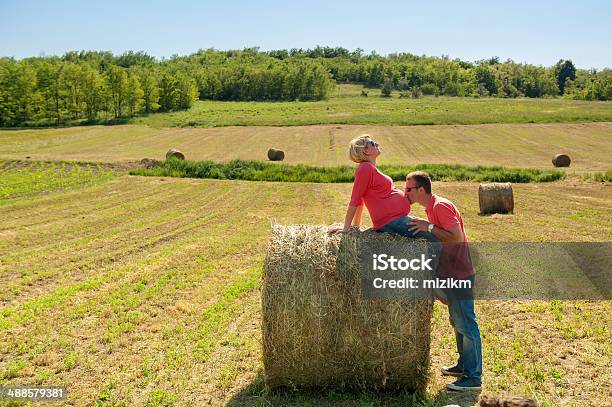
(175, 153)
(495, 198)
(320, 331)
(276, 155)
(561, 160)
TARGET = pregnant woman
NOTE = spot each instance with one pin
(387, 205)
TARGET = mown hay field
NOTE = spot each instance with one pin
(145, 291)
(515, 145)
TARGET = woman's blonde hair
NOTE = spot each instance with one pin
(357, 147)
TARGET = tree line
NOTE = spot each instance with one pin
(443, 76)
(54, 90)
(97, 85)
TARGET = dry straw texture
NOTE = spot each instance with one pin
(496, 198)
(318, 329)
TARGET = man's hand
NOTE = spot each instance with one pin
(418, 225)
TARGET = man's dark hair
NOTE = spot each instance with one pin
(421, 179)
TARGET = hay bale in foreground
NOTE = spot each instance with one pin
(175, 153)
(276, 155)
(318, 329)
(561, 160)
(495, 198)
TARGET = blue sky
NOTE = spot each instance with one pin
(537, 32)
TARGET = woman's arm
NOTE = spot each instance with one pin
(363, 178)
(357, 218)
(352, 213)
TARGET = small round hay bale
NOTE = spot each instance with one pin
(318, 328)
(495, 198)
(276, 155)
(174, 153)
(561, 160)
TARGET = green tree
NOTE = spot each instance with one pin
(564, 69)
(188, 92)
(72, 80)
(134, 95)
(486, 78)
(169, 93)
(387, 87)
(116, 84)
(150, 89)
(18, 98)
(95, 94)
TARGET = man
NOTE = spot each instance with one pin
(445, 223)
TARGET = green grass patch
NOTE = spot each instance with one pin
(346, 106)
(600, 176)
(25, 179)
(262, 171)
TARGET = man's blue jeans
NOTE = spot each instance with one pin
(467, 333)
(400, 226)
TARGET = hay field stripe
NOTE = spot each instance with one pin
(176, 345)
(144, 197)
(104, 305)
(513, 145)
(68, 206)
(50, 301)
(114, 250)
(115, 224)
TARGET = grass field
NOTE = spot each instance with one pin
(134, 291)
(513, 145)
(345, 106)
(145, 291)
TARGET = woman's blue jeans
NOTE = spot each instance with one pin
(400, 226)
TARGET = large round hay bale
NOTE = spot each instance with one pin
(276, 155)
(561, 160)
(318, 328)
(174, 153)
(495, 198)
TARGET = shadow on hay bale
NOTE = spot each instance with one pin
(174, 153)
(318, 329)
(276, 155)
(495, 198)
(561, 160)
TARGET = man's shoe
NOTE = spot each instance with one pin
(465, 384)
(452, 371)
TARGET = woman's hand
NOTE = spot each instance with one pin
(335, 229)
